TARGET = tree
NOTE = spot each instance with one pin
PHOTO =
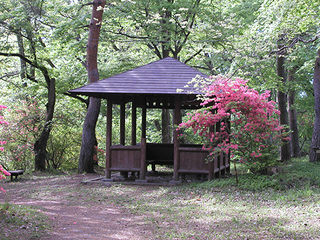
(89, 141)
(315, 144)
(41, 144)
(297, 23)
(282, 102)
(30, 30)
(177, 28)
(293, 119)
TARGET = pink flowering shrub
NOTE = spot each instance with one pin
(239, 121)
(3, 172)
(24, 128)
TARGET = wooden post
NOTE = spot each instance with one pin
(176, 140)
(134, 124)
(211, 162)
(228, 156)
(123, 124)
(143, 122)
(108, 139)
(143, 164)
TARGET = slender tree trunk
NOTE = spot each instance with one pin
(40, 145)
(295, 148)
(315, 144)
(32, 49)
(166, 126)
(166, 121)
(282, 103)
(23, 65)
(88, 133)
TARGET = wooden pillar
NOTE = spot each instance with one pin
(134, 124)
(176, 140)
(123, 124)
(108, 139)
(211, 163)
(227, 162)
(217, 174)
(143, 122)
(143, 164)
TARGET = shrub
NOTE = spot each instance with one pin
(237, 120)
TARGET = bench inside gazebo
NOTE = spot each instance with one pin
(147, 87)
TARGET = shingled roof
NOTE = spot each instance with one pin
(162, 77)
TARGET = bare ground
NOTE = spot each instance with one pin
(72, 217)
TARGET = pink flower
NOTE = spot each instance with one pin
(1, 189)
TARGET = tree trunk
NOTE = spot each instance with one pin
(295, 148)
(282, 103)
(87, 151)
(166, 121)
(32, 49)
(166, 126)
(89, 141)
(23, 65)
(315, 144)
(41, 144)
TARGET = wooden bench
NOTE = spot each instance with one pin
(160, 154)
(16, 173)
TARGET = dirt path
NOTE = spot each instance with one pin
(71, 218)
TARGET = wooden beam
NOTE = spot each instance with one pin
(108, 139)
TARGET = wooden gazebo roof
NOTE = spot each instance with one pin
(158, 79)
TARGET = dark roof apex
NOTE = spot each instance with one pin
(164, 76)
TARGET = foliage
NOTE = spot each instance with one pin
(64, 143)
(20, 134)
(255, 133)
(296, 175)
(3, 172)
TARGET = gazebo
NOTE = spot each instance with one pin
(154, 85)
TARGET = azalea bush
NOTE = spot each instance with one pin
(237, 120)
(3, 172)
(20, 135)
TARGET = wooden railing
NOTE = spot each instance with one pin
(192, 159)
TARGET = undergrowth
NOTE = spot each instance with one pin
(22, 222)
(298, 173)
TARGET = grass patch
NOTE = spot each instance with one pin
(22, 222)
(281, 206)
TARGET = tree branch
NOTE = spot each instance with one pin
(294, 41)
(197, 53)
(86, 101)
(129, 36)
(43, 69)
(86, 4)
(21, 57)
